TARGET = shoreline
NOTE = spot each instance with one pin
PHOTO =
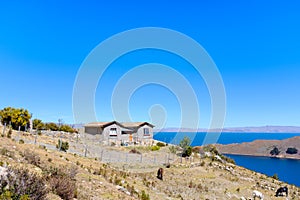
(264, 156)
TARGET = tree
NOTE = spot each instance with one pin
(52, 126)
(16, 117)
(185, 142)
(291, 150)
(38, 124)
(185, 145)
(275, 151)
(67, 128)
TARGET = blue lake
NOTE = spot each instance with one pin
(288, 170)
(225, 138)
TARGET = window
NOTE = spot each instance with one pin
(113, 132)
(146, 131)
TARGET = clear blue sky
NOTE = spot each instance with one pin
(255, 44)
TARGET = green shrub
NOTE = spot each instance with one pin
(292, 150)
(275, 176)
(63, 146)
(144, 196)
(160, 144)
(275, 151)
(155, 148)
(187, 152)
(21, 141)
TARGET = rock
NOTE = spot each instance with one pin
(3, 172)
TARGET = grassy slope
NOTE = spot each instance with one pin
(96, 180)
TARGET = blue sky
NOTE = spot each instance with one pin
(255, 45)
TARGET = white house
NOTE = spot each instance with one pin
(121, 133)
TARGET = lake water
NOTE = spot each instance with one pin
(288, 170)
(225, 138)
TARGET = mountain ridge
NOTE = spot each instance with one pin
(247, 129)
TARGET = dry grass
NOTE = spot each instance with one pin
(87, 178)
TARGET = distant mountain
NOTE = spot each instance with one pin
(260, 129)
(264, 148)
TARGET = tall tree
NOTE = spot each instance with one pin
(15, 117)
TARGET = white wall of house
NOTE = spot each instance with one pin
(145, 134)
(113, 133)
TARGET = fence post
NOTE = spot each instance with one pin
(141, 159)
(85, 150)
(18, 137)
(101, 155)
(4, 128)
(35, 137)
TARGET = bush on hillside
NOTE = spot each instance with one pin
(160, 144)
(31, 157)
(22, 184)
(134, 151)
(292, 150)
(187, 152)
(62, 181)
(275, 151)
(155, 148)
(63, 146)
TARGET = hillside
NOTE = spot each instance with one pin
(263, 148)
(89, 178)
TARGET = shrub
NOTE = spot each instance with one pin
(134, 151)
(155, 148)
(63, 146)
(212, 149)
(9, 133)
(6, 152)
(227, 159)
(202, 163)
(172, 149)
(275, 151)
(63, 186)
(62, 181)
(292, 150)
(32, 158)
(185, 142)
(21, 141)
(23, 184)
(275, 176)
(160, 144)
(187, 152)
(144, 196)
